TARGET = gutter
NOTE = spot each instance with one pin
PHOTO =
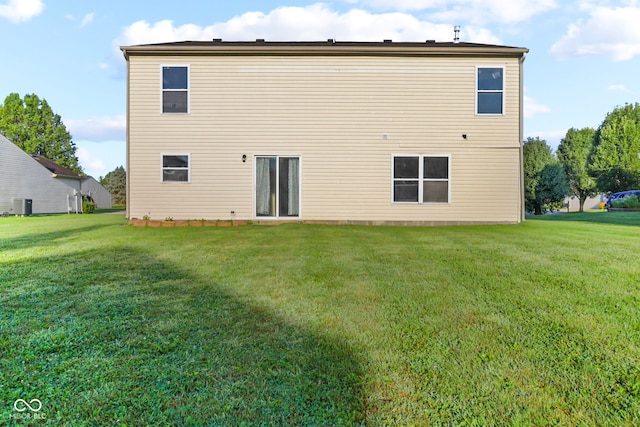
(317, 49)
(127, 148)
(56, 175)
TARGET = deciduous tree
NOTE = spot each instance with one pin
(573, 153)
(31, 124)
(545, 183)
(537, 155)
(615, 159)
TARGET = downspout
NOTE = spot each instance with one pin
(128, 136)
(521, 136)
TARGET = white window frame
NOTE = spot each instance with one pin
(421, 179)
(162, 168)
(163, 90)
(503, 90)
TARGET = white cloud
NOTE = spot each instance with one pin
(99, 158)
(314, 22)
(89, 161)
(21, 10)
(531, 107)
(310, 23)
(552, 137)
(88, 18)
(142, 32)
(478, 35)
(611, 32)
(476, 11)
(618, 88)
(98, 128)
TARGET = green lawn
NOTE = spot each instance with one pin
(107, 324)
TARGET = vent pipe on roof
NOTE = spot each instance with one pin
(456, 34)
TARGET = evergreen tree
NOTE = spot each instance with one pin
(116, 182)
(573, 153)
(31, 124)
(552, 187)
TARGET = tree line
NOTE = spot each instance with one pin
(588, 162)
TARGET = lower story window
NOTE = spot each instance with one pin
(175, 167)
(421, 178)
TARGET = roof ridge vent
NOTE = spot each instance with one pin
(259, 40)
(430, 41)
(216, 40)
(388, 41)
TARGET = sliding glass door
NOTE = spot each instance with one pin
(277, 187)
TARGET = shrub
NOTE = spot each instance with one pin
(88, 207)
(632, 202)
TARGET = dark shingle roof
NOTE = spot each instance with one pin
(54, 167)
(328, 47)
(330, 42)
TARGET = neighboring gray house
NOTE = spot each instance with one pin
(50, 187)
(100, 195)
(573, 204)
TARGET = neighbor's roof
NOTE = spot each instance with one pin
(55, 168)
(333, 47)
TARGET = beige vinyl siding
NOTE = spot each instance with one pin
(344, 116)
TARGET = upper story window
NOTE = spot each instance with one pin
(175, 89)
(175, 167)
(490, 85)
(421, 179)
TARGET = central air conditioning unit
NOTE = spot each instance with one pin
(22, 207)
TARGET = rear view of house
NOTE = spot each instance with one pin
(335, 132)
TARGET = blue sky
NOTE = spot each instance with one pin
(584, 57)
